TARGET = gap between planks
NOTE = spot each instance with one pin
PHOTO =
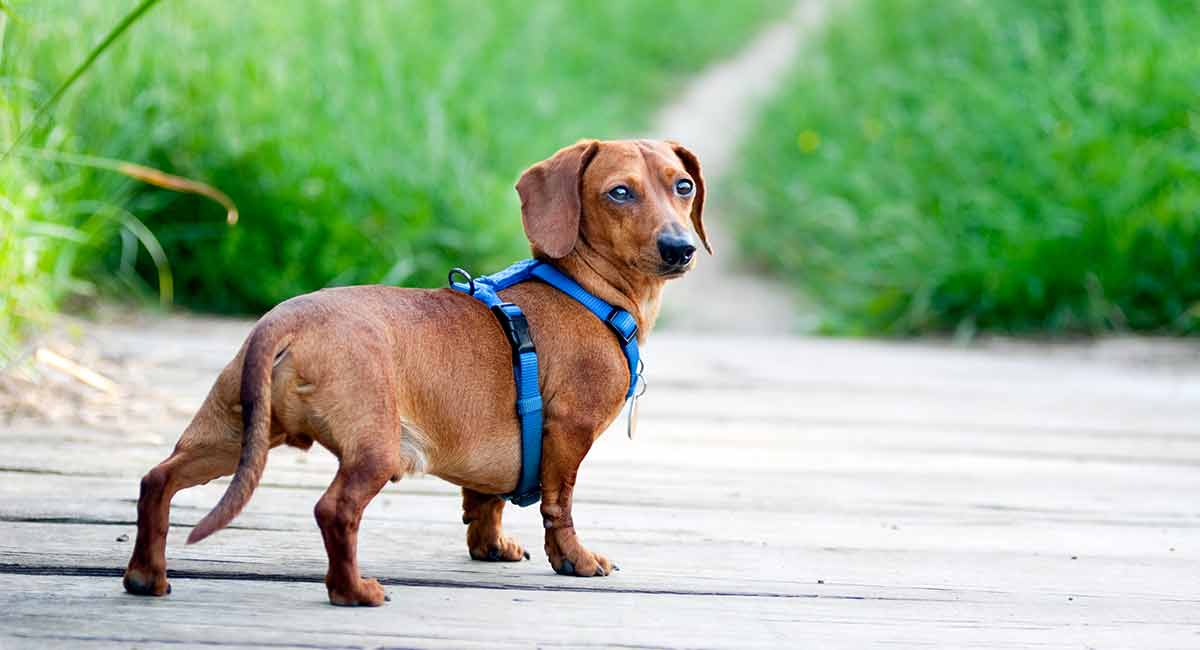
(185, 574)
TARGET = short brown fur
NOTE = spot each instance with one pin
(395, 381)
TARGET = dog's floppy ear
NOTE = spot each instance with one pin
(550, 201)
(692, 165)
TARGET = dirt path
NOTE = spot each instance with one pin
(712, 116)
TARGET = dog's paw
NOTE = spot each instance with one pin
(592, 565)
(572, 559)
(505, 549)
(146, 583)
(367, 593)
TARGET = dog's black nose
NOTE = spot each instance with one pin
(676, 248)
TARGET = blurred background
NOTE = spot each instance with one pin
(1014, 167)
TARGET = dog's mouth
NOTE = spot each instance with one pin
(671, 271)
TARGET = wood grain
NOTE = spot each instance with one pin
(781, 492)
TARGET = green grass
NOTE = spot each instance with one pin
(362, 141)
(30, 246)
(1015, 166)
(43, 231)
(50, 241)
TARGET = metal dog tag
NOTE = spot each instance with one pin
(639, 390)
(633, 415)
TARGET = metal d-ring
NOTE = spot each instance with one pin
(641, 387)
(460, 271)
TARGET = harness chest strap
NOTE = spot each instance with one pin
(524, 355)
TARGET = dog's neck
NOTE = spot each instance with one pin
(640, 296)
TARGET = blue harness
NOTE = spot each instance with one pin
(524, 355)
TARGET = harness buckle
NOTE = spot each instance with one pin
(611, 321)
(516, 329)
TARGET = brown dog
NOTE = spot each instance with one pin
(398, 381)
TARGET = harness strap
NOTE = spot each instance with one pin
(621, 322)
(525, 362)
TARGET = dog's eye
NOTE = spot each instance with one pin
(620, 194)
(684, 187)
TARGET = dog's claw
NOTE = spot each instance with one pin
(567, 568)
(616, 568)
(387, 598)
(526, 554)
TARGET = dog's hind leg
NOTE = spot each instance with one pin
(208, 449)
(362, 474)
(482, 514)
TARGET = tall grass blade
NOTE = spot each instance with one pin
(141, 173)
(115, 33)
(180, 184)
(126, 219)
(166, 281)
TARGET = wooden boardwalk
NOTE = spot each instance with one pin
(780, 492)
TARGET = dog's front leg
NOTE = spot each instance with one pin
(485, 540)
(561, 455)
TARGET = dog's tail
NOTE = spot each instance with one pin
(257, 364)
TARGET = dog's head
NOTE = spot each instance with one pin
(628, 201)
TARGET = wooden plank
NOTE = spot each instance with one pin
(780, 492)
(892, 544)
(54, 611)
